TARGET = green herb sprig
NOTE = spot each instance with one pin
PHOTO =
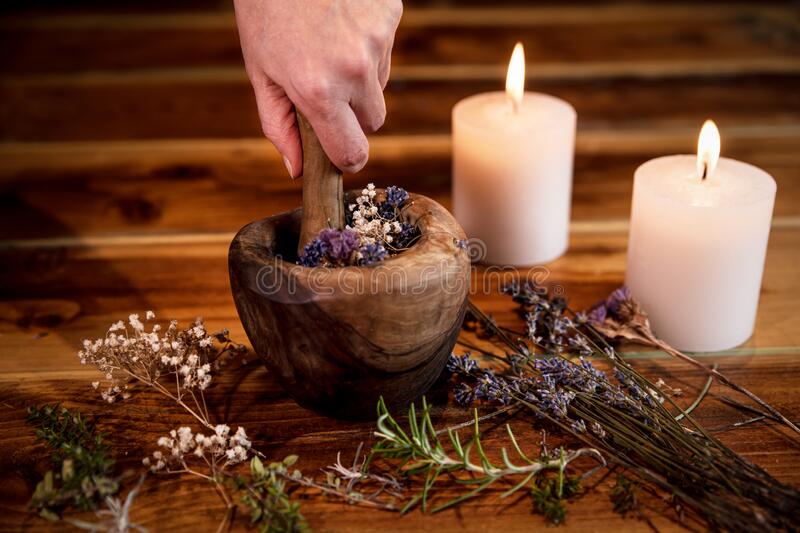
(550, 494)
(266, 496)
(421, 454)
(82, 474)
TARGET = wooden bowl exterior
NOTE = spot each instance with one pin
(339, 338)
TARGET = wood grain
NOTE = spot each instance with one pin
(109, 282)
(130, 152)
(214, 103)
(252, 397)
(190, 186)
(426, 36)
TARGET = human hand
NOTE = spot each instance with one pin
(328, 58)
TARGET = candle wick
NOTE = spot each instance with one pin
(705, 171)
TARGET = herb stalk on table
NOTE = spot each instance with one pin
(180, 364)
(621, 317)
(626, 418)
(419, 452)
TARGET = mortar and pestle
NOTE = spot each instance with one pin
(339, 338)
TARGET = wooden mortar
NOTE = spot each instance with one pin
(339, 338)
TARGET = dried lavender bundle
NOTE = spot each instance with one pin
(625, 417)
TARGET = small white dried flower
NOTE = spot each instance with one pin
(135, 323)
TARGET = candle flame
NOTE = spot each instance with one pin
(708, 146)
(515, 79)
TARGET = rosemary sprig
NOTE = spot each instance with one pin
(422, 455)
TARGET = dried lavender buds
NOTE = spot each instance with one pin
(374, 230)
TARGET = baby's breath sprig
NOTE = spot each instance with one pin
(422, 455)
(177, 363)
(180, 365)
(181, 449)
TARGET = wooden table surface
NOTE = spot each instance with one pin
(130, 152)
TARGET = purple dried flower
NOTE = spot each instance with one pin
(387, 211)
(610, 307)
(340, 244)
(313, 253)
(597, 429)
(408, 233)
(583, 376)
(464, 395)
(395, 196)
(371, 254)
(493, 388)
(462, 364)
(553, 399)
(617, 298)
(597, 314)
(634, 390)
(578, 426)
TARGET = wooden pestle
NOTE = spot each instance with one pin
(323, 198)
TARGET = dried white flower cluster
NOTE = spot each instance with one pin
(219, 449)
(368, 220)
(129, 352)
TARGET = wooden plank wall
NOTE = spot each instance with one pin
(130, 152)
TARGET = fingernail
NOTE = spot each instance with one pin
(288, 167)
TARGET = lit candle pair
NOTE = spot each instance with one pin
(699, 225)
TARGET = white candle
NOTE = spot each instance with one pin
(697, 245)
(512, 170)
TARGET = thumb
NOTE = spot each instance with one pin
(279, 124)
